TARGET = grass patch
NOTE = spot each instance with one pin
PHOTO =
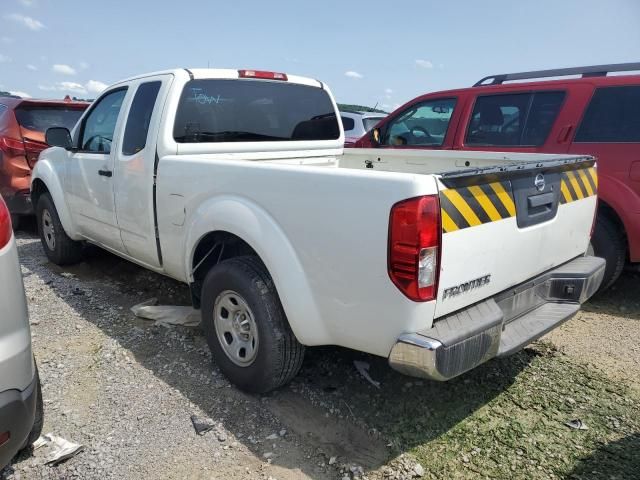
(506, 419)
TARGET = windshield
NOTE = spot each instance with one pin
(253, 110)
(370, 122)
(41, 118)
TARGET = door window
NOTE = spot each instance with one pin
(423, 124)
(522, 119)
(613, 115)
(135, 133)
(100, 124)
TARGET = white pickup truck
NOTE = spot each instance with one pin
(235, 182)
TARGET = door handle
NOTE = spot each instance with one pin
(563, 136)
(105, 173)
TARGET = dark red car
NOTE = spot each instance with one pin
(596, 114)
(23, 123)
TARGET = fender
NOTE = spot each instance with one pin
(255, 226)
(50, 173)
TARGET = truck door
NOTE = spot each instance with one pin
(135, 168)
(89, 184)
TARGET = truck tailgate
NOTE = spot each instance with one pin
(504, 225)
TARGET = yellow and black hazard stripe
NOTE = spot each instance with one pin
(477, 204)
(578, 184)
(474, 205)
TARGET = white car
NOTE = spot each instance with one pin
(356, 124)
(21, 414)
(235, 182)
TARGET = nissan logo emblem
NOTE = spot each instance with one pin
(539, 182)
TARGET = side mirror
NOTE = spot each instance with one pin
(59, 137)
(375, 137)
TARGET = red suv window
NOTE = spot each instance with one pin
(612, 116)
(424, 124)
(521, 119)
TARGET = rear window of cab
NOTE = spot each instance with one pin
(219, 110)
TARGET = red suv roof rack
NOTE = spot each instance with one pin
(588, 71)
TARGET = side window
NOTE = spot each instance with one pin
(348, 123)
(135, 133)
(423, 124)
(3, 109)
(544, 110)
(98, 127)
(613, 115)
(522, 119)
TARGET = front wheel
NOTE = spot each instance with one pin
(246, 327)
(59, 248)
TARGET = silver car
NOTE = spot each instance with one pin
(20, 396)
(356, 124)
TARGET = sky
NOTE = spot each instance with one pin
(368, 52)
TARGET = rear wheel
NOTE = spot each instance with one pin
(57, 245)
(38, 421)
(608, 242)
(246, 328)
(15, 221)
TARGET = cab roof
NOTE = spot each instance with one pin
(219, 73)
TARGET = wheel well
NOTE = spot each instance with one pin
(606, 210)
(37, 189)
(212, 249)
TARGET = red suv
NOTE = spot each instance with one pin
(596, 114)
(23, 123)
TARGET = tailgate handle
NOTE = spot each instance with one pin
(540, 200)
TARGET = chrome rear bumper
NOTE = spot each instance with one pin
(498, 326)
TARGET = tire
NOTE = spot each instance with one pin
(608, 242)
(59, 248)
(38, 421)
(273, 355)
(15, 222)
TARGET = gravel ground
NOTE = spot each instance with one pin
(605, 334)
(126, 389)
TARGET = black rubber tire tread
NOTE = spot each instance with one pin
(280, 355)
(609, 243)
(15, 221)
(38, 421)
(67, 251)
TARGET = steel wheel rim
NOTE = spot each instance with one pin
(235, 328)
(48, 231)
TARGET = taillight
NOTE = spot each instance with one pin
(12, 146)
(414, 247)
(262, 74)
(5, 224)
(33, 149)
